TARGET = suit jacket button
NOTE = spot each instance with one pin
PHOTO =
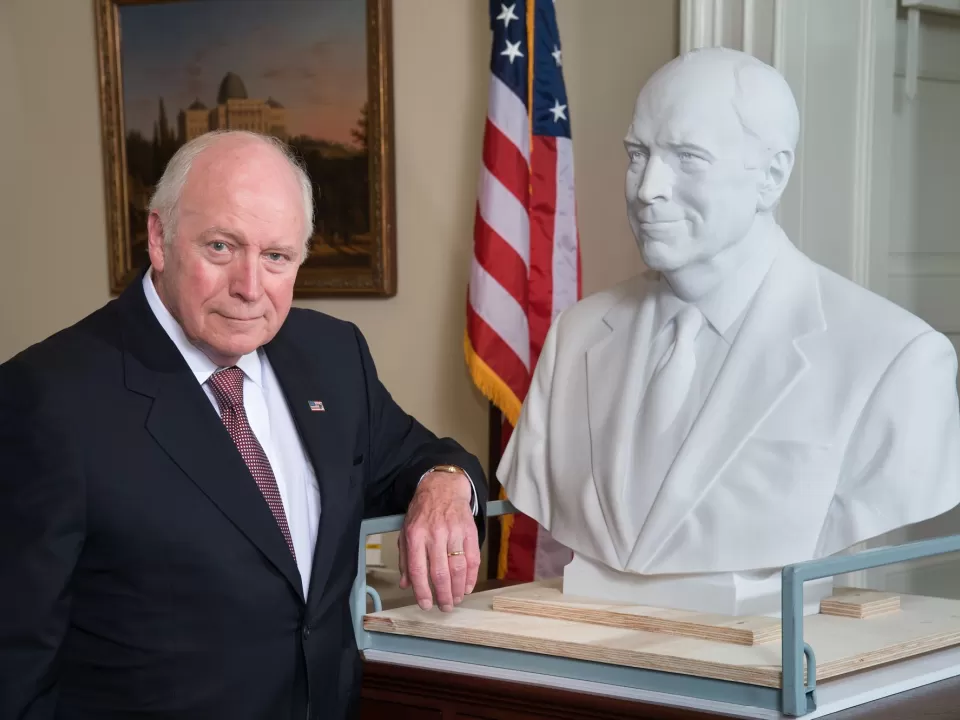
(305, 631)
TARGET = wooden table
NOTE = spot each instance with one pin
(393, 692)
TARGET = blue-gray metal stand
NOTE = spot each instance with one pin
(796, 698)
(360, 591)
(791, 599)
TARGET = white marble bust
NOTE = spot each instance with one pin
(738, 407)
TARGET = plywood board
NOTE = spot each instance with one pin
(548, 601)
(842, 645)
(860, 604)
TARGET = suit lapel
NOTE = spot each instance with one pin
(304, 380)
(184, 423)
(615, 372)
(765, 362)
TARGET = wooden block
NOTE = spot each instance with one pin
(549, 602)
(842, 644)
(861, 604)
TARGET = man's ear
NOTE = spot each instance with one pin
(155, 243)
(774, 180)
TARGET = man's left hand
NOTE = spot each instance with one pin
(438, 542)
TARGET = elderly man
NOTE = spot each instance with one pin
(737, 408)
(186, 469)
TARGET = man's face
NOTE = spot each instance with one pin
(228, 275)
(689, 194)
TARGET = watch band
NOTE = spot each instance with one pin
(447, 469)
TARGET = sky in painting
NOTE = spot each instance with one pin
(310, 55)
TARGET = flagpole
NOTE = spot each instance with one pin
(493, 459)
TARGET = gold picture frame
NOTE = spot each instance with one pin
(353, 252)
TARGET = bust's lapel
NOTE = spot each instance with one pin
(615, 371)
(765, 361)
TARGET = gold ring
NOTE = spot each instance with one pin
(455, 552)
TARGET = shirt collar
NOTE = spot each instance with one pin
(201, 366)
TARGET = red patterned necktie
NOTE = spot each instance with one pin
(227, 387)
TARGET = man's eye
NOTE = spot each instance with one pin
(276, 257)
(218, 246)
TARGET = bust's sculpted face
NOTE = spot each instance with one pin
(697, 179)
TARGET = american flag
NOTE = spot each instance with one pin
(526, 262)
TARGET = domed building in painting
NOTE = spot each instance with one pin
(234, 110)
(231, 88)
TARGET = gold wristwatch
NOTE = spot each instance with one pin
(447, 469)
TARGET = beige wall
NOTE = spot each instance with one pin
(610, 48)
(53, 257)
(11, 126)
(52, 247)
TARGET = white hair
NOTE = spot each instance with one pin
(166, 197)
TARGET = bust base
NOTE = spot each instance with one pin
(755, 592)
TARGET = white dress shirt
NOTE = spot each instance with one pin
(271, 422)
(723, 311)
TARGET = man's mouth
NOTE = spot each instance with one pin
(646, 220)
(659, 224)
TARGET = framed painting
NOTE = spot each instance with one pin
(314, 73)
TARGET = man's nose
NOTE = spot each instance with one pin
(656, 182)
(245, 282)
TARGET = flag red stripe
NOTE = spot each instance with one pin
(543, 205)
(521, 559)
(498, 356)
(500, 260)
(504, 160)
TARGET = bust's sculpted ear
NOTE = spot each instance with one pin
(774, 180)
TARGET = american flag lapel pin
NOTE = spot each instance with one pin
(316, 406)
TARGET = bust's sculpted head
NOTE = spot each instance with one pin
(710, 149)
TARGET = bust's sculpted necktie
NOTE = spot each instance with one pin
(658, 437)
(670, 383)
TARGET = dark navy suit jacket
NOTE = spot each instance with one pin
(141, 572)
